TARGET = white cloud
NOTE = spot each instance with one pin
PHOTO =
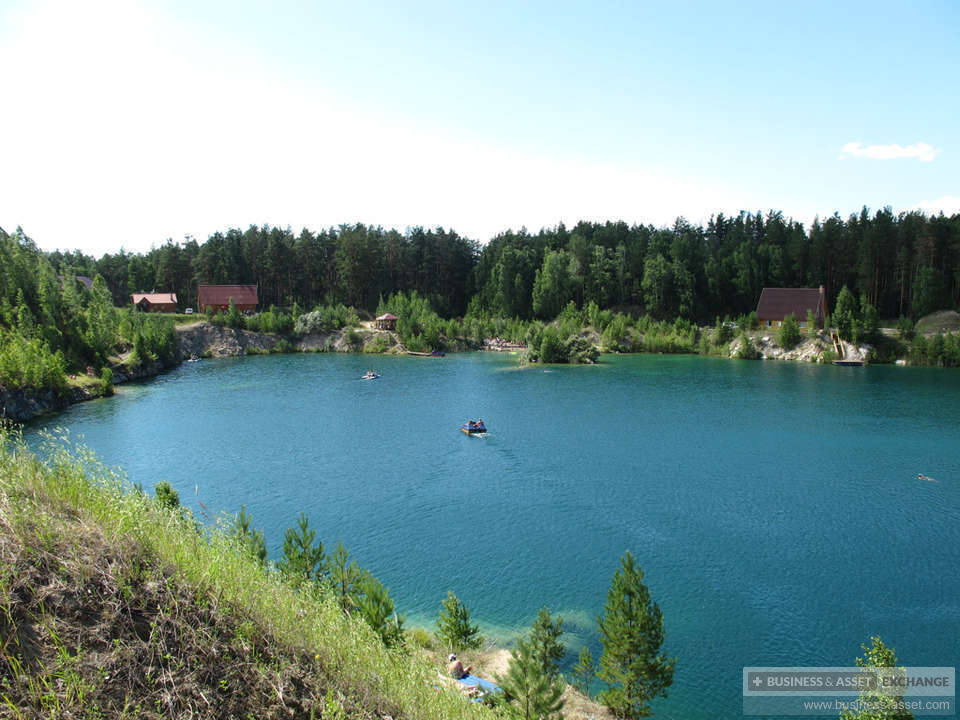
(920, 150)
(948, 204)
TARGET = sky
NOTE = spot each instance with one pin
(127, 123)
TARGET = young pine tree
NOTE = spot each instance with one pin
(631, 630)
(345, 577)
(584, 671)
(789, 333)
(545, 640)
(302, 561)
(535, 694)
(376, 608)
(251, 541)
(453, 625)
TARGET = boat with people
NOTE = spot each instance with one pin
(370, 375)
(474, 428)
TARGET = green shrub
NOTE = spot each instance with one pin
(106, 378)
(789, 333)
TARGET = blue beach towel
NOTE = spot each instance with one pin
(473, 680)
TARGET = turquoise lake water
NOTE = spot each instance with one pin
(775, 507)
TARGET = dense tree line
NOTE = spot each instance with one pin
(902, 265)
(906, 264)
(351, 264)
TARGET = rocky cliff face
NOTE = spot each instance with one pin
(204, 339)
(24, 405)
(808, 350)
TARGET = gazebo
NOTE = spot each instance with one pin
(387, 321)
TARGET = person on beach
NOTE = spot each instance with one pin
(456, 668)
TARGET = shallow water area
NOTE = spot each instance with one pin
(775, 508)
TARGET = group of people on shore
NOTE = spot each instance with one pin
(499, 343)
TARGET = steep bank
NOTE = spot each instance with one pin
(112, 606)
(24, 405)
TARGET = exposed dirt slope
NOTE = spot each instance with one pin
(94, 629)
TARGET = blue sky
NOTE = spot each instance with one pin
(127, 123)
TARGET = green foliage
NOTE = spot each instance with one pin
(419, 638)
(106, 380)
(789, 333)
(234, 319)
(274, 321)
(166, 496)
(534, 694)
(584, 671)
(846, 314)
(545, 642)
(631, 630)
(747, 350)
(251, 541)
(940, 350)
(71, 489)
(376, 608)
(302, 560)
(660, 336)
(28, 363)
(345, 577)
(554, 284)
(419, 327)
(615, 337)
(905, 328)
(812, 328)
(879, 704)
(325, 319)
(454, 630)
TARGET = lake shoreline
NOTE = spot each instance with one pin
(206, 340)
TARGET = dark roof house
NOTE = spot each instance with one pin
(218, 297)
(776, 303)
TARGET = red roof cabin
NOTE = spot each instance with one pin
(776, 303)
(387, 321)
(218, 297)
(155, 302)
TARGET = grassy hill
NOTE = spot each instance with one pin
(113, 607)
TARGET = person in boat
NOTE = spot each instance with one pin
(471, 425)
(456, 669)
(479, 424)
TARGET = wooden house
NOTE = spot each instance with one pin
(218, 297)
(387, 321)
(155, 302)
(776, 303)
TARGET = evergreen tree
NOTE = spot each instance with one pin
(789, 334)
(376, 608)
(631, 629)
(251, 541)
(545, 640)
(345, 577)
(584, 671)
(453, 625)
(846, 314)
(534, 693)
(882, 704)
(302, 561)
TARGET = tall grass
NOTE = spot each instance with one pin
(347, 651)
